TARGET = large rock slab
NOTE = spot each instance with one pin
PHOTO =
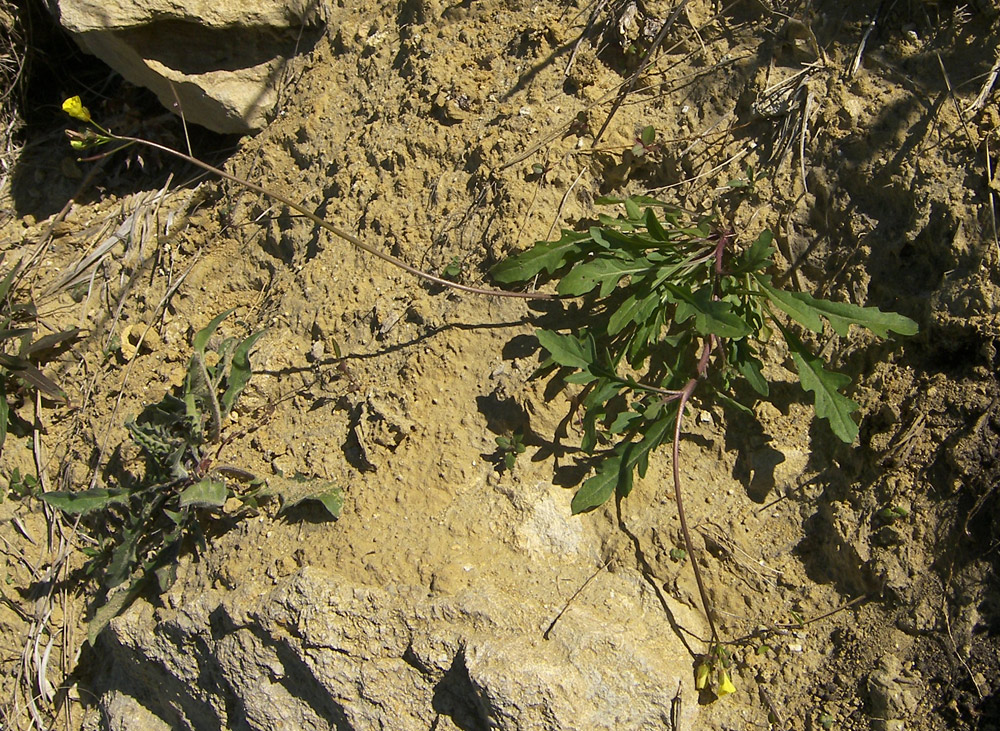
(318, 653)
(223, 60)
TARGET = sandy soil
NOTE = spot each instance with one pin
(461, 133)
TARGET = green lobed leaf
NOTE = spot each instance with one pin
(569, 350)
(711, 317)
(595, 406)
(605, 271)
(844, 314)
(791, 305)
(84, 501)
(750, 367)
(545, 256)
(615, 471)
(825, 385)
(208, 492)
(596, 490)
(758, 256)
(636, 308)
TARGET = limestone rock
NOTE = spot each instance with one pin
(224, 59)
(316, 653)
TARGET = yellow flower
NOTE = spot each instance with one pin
(701, 676)
(74, 108)
(725, 686)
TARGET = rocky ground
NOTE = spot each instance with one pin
(856, 583)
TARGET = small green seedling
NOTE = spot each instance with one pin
(454, 269)
(677, 554)
(509, 448)
(891, 514)
(645, 142)
(21, 486)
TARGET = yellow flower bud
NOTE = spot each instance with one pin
(74, 108)
(701, 676)
(726, 685)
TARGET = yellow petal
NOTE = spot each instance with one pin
(701, 676)
(726, 686)
(74, 108)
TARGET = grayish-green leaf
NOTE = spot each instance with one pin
(208, 492)
(201, 338)
(240, 372)
(84, 501)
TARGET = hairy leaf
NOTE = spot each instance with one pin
(758, 256)
(201, 338)
(116, 603)
(208, 492)
(84, 501)
(240, 374)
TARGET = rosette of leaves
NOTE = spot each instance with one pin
(671, 306)
(146, 520)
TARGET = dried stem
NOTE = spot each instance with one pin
(322, 223)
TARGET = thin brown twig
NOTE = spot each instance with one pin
(335, 230)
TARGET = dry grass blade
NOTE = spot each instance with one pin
(984, 93)
(132, 228)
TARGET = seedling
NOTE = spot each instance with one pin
(509, 448)
(645, 142)
(891, 514)
(673, 306)
(21, 486)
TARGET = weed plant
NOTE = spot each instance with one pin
(673, 306)
(21, 351)
(147, 520)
